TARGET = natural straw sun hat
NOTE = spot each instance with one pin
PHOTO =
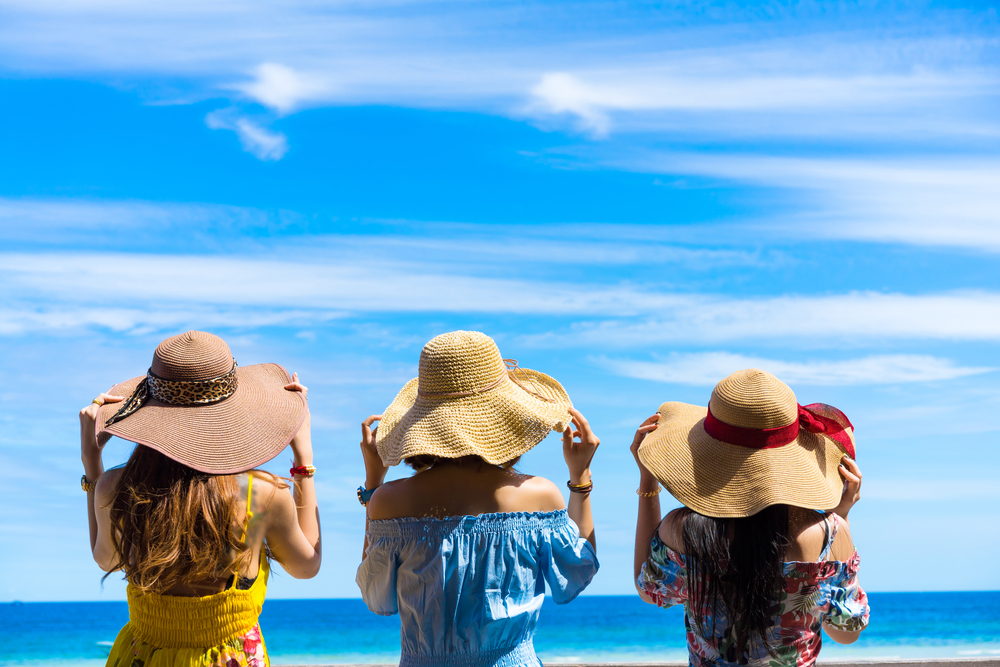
(753, 446)
(468, 400)
(198, 407)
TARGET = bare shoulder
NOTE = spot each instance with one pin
(538, 494)
(104, 492)
(843, 544)
(671, 530)
(266, 492)
(391, 500)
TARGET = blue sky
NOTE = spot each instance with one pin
(637, 199)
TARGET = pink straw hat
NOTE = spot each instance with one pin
(197, 407)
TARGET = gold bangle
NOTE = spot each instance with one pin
(579, 486)
(85, 485)
(649, 494)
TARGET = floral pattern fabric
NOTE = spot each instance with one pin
(246, 650)
(812, 593)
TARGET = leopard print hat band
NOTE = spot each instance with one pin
(177, 392)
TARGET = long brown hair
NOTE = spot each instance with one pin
(172, 524)
(736, 566)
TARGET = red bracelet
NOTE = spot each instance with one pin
(302, 471)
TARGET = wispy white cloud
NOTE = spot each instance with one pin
(634, 67)
(284, 89)
(67, 222)
(931, 201)
(596, 98)
(857, 316)
(707, 368)
(262, 143)
(140, 320)
(618, 315)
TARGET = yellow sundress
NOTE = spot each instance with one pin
(221, 630)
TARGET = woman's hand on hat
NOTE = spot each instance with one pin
(90, 448)
(295, 385)
(375, 470)
(851, 473)
(301, 443)
(644, 429)
(579, 454)
(88, 417)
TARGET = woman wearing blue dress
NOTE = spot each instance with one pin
(462, 550)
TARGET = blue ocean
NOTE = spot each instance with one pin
(591, 629)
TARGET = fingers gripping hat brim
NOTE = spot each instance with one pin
(498, 425)
(237, 434)
(718, 479)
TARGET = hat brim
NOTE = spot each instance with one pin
(234, 435)
(721, 480)
(498, 425)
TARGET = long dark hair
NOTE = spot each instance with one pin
(736, 565)
(174, 524)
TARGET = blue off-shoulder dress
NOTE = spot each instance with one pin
(468, 589)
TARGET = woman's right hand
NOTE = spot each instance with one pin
(90, 448)
(375, 470)
(646, 478)
(851, 473)
(640, 434)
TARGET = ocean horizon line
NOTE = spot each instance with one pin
(547, 595)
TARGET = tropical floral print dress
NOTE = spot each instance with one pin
(812, 594)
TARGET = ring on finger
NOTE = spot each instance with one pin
(98, 401)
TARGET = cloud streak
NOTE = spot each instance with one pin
(707, 368)
(262, 143)
(49, 281)
(926, 201)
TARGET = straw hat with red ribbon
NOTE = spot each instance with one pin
(468, 400)
(753, 446)
(198, 407)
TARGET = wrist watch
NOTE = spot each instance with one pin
(364, 495)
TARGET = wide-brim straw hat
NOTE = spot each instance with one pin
(196, 406)
(469, 400)
(753, 446)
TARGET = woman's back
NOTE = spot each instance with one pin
(463, 551)
(818, 587)
(464, 487)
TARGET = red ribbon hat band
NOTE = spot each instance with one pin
(769, 438)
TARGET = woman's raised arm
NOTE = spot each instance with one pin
(293, 532)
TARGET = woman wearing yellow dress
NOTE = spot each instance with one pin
(188, 520)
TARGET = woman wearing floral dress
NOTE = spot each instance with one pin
(761, 554)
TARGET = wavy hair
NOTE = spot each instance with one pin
(173, 524)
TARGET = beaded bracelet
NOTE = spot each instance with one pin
(87, 486)
(303, 471)
(649, 494)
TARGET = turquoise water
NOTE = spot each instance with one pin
(592, 629)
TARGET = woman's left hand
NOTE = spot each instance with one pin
(578, 455)
(851, 473)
